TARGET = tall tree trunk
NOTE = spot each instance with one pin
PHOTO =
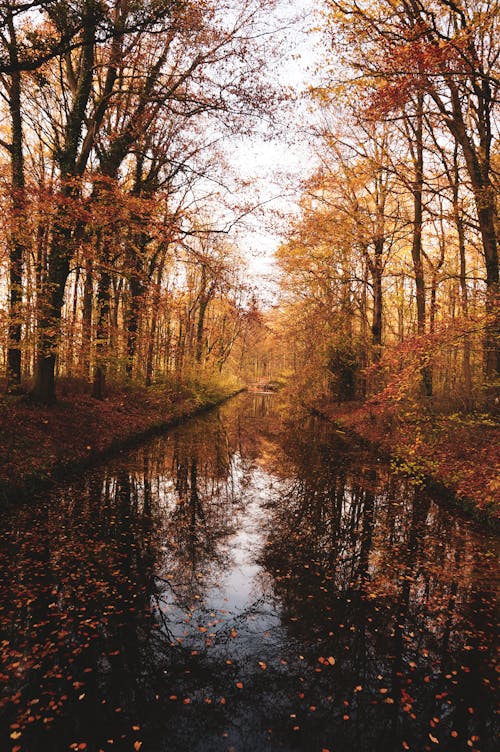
(136, 289)
(200, 327)
(433, 302)
(72, 354)
(459, 224)
(377, 300)
(416, 248)
(484, 196)
(16, 241)
(492, 338)
(180, 347)
(88, 300)
(114, 309)
(72, 165)
(155, 305)
(50, 312)
(102, 334)
(478, 163)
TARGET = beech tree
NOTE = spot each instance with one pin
(386, 241)
(11, 83)
(81, 118)
(25, 45)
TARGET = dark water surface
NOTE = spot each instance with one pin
(246, 583)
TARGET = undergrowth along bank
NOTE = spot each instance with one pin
(454, 456)
(39, 445)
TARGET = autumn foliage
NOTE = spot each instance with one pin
(115, 248)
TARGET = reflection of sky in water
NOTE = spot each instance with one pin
(234, 611)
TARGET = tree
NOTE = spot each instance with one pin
(446, 50)
(129, 72)
(12, 89)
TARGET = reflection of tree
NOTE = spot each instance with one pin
(364, 568)
(205, 479)
(90, 558)
(358, 566)
(81, 587)
(324, 504)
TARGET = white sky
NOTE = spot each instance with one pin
(275, 167)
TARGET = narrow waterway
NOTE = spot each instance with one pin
(248, 582)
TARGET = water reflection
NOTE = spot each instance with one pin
(250, 583)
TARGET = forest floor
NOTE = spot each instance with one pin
(39, 444)
(455, 453)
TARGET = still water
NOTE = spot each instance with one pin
(248, 582)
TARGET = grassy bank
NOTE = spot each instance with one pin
(456, 455)
(40, 444)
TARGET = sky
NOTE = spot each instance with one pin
(274, 167)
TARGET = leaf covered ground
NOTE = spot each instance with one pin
(39, 442)
(459, 452)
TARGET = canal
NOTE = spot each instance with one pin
(250, 581)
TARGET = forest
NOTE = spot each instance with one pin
(294, 199)
(394, 256)
(118, 254)
(112, 115)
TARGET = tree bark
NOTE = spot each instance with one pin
(102, 333)
(154, 323)
(459, 224)
(416, 248)
(52, 297)
(377, 300)
(72, 159)
(88, 298)
(16, 240)
(478, 163)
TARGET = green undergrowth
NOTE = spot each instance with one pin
(207, 389)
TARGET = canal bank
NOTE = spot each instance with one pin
(39, 444)
(248, 580)
(455, 456)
